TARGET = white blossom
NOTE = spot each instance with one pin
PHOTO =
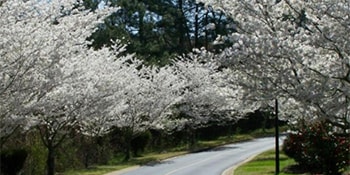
(296, 51)
(46, 67)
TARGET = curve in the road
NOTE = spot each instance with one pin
(212, 162)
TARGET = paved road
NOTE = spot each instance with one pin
(212, 162)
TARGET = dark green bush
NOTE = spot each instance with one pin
(140, 142)
(12, 161)
(318, 149)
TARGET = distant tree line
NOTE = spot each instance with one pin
(157, 30)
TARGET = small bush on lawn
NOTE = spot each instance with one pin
(318, 149)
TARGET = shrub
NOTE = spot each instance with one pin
(139, 143)
(12, 161)
(37, 155)
(92, 150)
(318, 149)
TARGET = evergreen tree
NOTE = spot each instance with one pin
(157, 30)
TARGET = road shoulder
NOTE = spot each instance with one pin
(119, 172)
(231, 170)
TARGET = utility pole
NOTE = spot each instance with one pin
(277, 158)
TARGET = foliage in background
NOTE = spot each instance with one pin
(158, 30)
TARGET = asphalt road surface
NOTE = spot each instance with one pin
(212, 162)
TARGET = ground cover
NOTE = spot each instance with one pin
(264, 164)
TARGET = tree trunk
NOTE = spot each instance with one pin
(50, 160)
(196, 28)
(127, 151)
(142, 31)
(128, 134)
(182, 29)
(206, 42)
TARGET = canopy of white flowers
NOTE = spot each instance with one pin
(296, 51)
(52, 81)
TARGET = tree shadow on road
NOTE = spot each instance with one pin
(158, 162)
(223, 148)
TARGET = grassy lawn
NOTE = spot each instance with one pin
(98, 170)
(264, 164)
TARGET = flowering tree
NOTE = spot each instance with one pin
(148, 101)
(296, 51)
(49, 76)
(206, 97)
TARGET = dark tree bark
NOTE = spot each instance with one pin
(50, 160)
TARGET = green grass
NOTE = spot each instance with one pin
(98, 170)
(264, 164)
